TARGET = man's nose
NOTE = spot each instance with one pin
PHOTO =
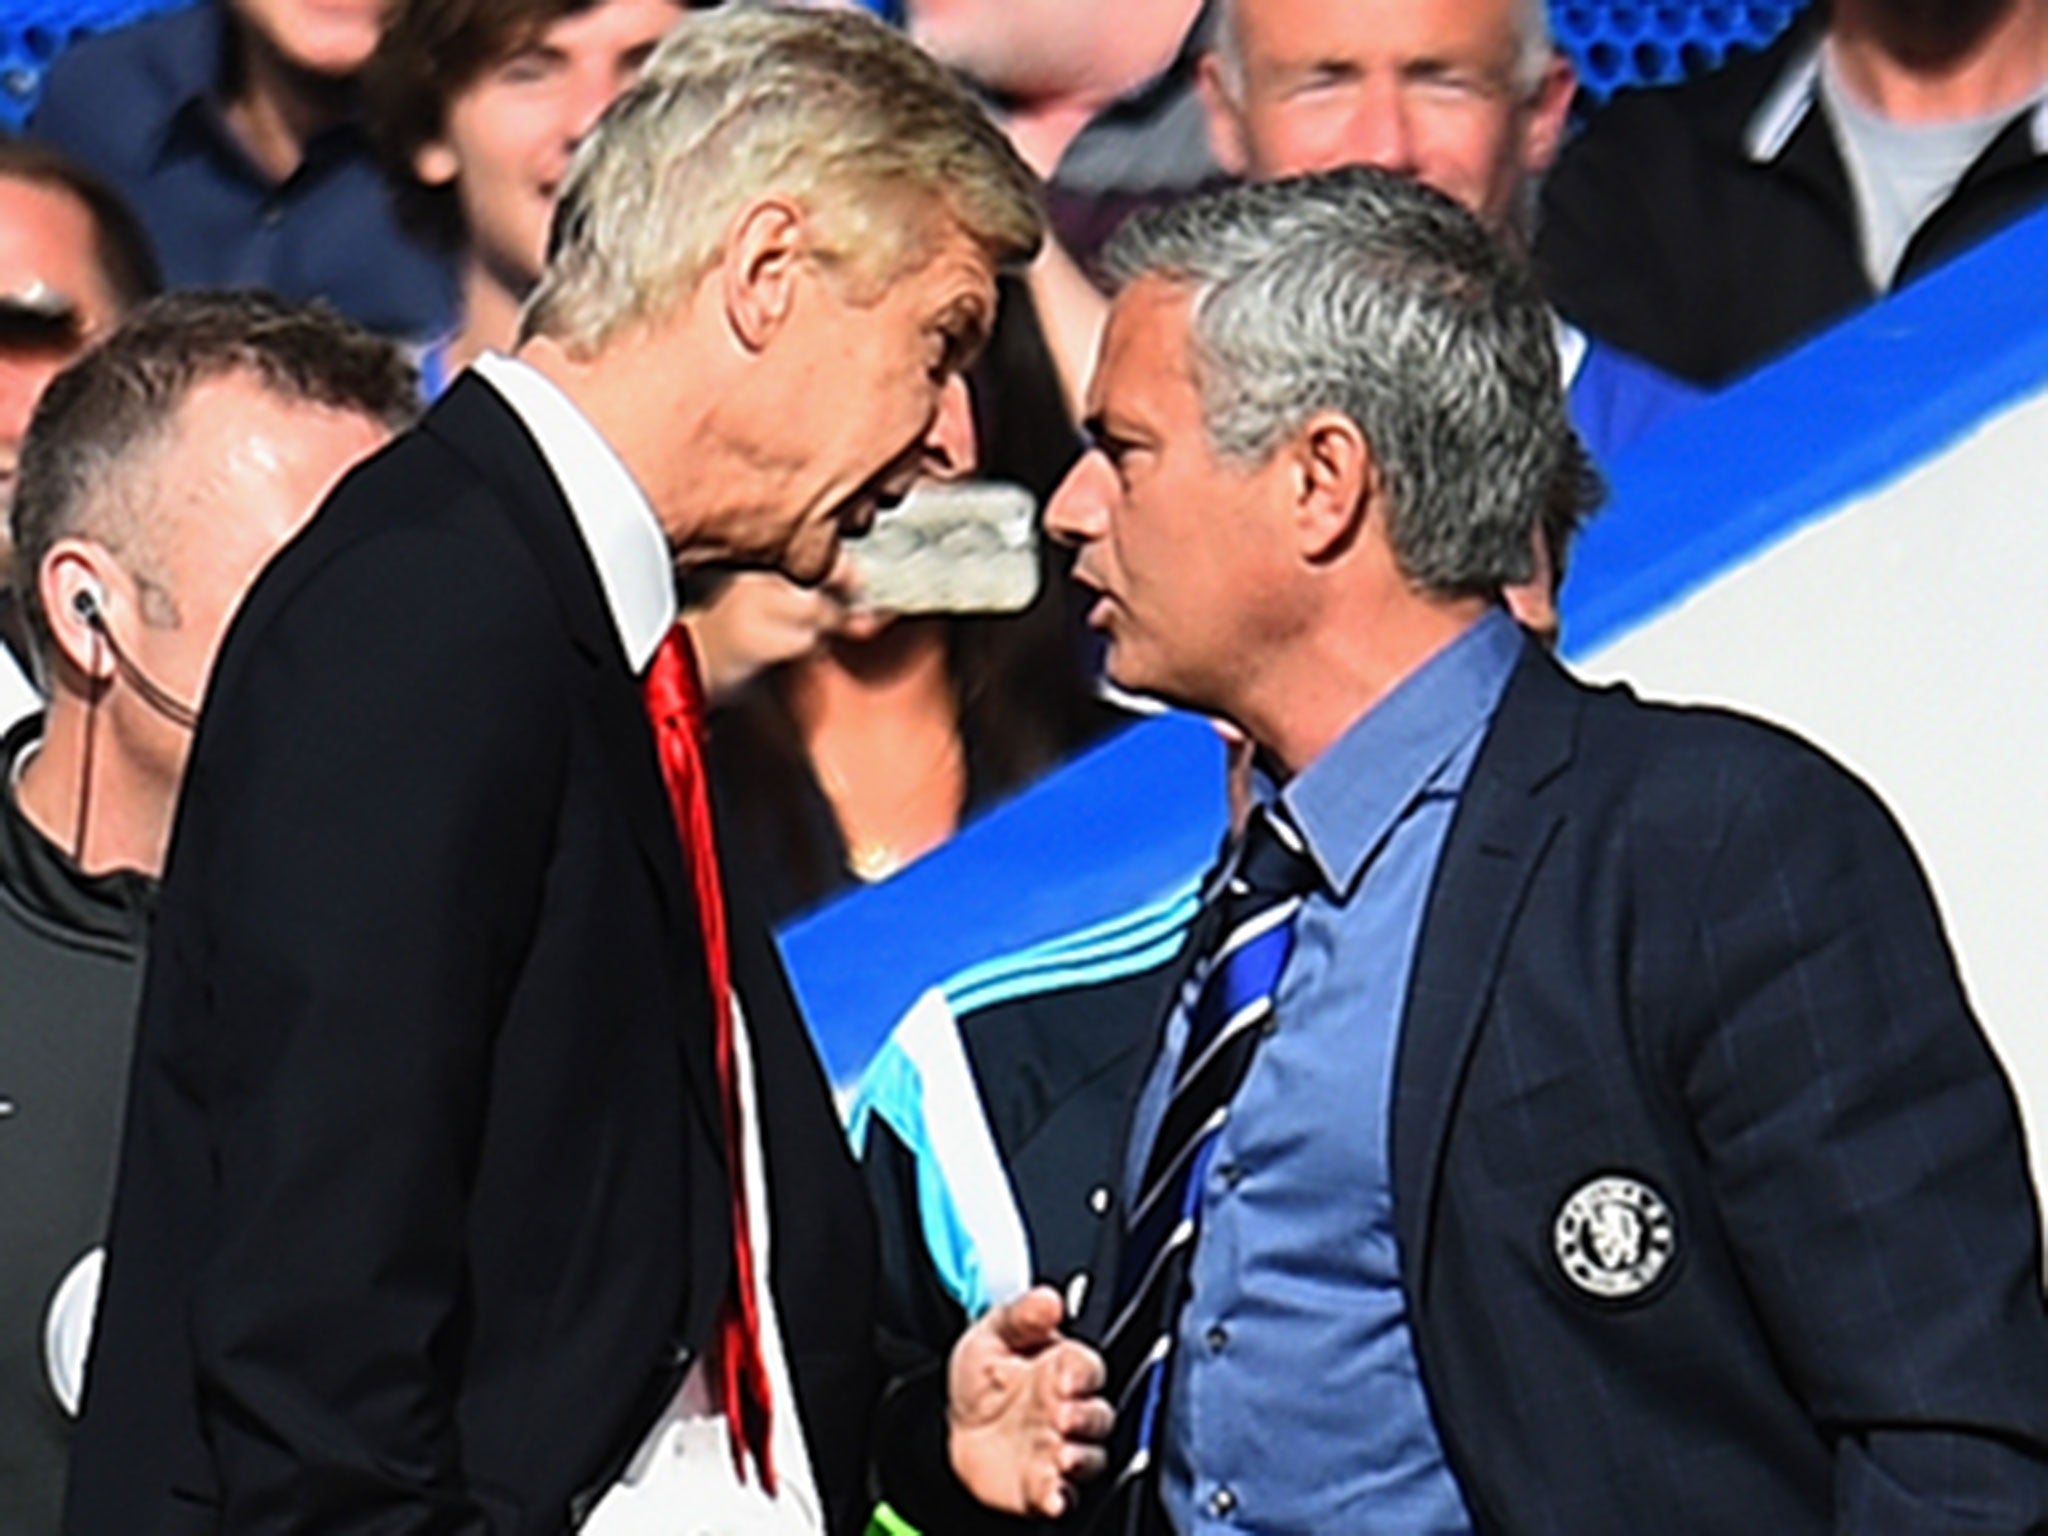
(1379, 133)
(951, 448)
(1079, 509)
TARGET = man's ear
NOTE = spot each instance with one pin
(1225, 116)
(1335, 482)
(80, 586)
(1545, 115)
(764, 252)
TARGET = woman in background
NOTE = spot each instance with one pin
(476, 106)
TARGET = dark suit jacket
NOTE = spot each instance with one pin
(1685, 949)
(423, 1208)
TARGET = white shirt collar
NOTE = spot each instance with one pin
(1784, 106)
(1571, 350)
(612, 513)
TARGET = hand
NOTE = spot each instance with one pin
(1024, 1411)
(757, 620)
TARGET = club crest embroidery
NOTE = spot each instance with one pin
(1614, 1237)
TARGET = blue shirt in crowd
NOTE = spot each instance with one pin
(1295, 1404)
(143, 107)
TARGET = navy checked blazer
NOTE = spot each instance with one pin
(1712, 1200)
(1684, 951)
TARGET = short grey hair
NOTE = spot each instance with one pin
(831, 108)
(1535, 43)
(87, 464)
(1362, 292)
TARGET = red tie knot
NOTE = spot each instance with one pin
(675, 693)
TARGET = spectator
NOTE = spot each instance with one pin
(477, 105)
(73, 259)
(162, 471)
(1467, 96)
(476, 1150)
(1711, 226)
(232, 128)
(1582, 1087)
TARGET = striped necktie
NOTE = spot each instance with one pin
(1233, 1010)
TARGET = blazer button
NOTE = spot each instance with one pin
(1222, 1502)
(1098, 1199)
(1077, 1292)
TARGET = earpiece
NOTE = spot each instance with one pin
(87, 603)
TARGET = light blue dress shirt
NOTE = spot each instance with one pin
(1295, 1404)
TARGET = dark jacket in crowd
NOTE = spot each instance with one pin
(1709, 227)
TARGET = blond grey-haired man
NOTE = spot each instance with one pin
(479, 1175)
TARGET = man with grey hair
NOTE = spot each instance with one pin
(479, 1175)
(163, 469)
(1571, 1119)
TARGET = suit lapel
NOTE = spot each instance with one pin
(473, 421)
(1502, 826)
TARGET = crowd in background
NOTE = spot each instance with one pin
(401, 166)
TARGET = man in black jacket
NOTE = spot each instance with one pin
(131, 578)
(1712, 226)
(479, 1176)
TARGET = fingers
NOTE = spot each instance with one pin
(1054, 1502)
(1084, 1421)
(1077, 1370)
(1031, 1322)
(1057, 1485)
(1083, 1463)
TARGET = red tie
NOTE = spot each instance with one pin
(675, 705)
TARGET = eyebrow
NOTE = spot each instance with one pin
(966, 324)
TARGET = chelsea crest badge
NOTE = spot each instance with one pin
(1614, 1237)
